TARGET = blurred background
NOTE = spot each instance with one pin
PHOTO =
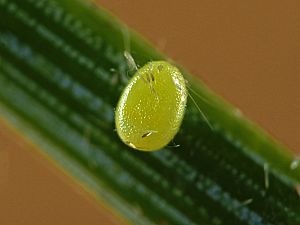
(246, 51)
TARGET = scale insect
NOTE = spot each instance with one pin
(151, 108)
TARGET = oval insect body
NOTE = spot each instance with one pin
(151, 107)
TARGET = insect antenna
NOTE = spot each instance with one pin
(174, 145)
(127, 49)
(198, 95)
(201, 112)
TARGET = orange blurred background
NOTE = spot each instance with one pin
(246, 51)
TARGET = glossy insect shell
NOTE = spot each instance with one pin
(151, 107)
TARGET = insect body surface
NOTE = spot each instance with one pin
(151, 107)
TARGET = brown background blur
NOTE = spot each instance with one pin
(247, 51)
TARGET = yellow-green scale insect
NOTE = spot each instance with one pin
(151, 107)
